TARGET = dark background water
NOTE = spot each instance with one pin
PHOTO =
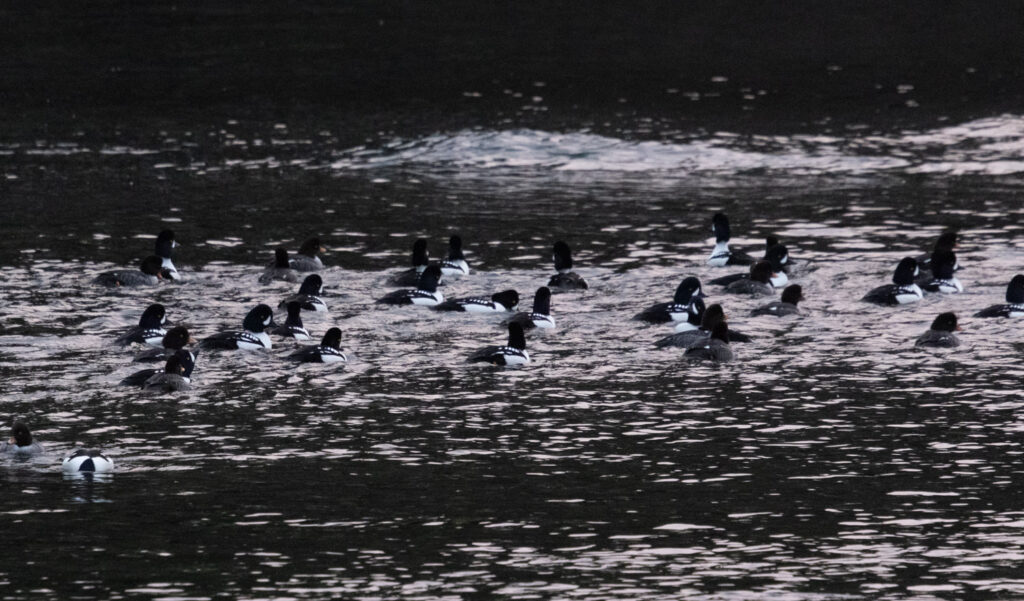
(832, 460)
(364, 66)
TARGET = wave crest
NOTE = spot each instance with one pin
(992, 146)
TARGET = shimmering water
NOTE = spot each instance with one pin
(831, 460)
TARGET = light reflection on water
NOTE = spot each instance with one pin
(832, 460)
(987, 146)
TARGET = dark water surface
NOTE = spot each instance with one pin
(832, 460)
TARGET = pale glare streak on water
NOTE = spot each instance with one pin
(992, 145)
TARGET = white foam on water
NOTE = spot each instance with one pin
(985, 146)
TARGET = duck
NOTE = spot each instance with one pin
(87, 461)
(540, 316)
(680, 307)
(150, 273)
(694, 317)
(941, 335)
(176, 376)
(185, 358)
(791, 296)
(710, 318)
(1014, 298)
(721, 255)
(165, 243)
(455, 265)
(945, 242)
(150, 329)
(420, 260)
(500, 302)
(513, 353)
(308, 295)
(279, 269)
(252, 337)
(902, 291)
(758, 284)
(714, 348)
(943, 265)
(292, 327)
(307, 258)
(328, 351)
(566, 278)
(21, 442)
(425, 294)
(174, 340)
(786, 261)
(777, 256)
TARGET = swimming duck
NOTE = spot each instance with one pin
(947, 242)
(176, 376)
(21, 442)
(420, 260)
(252, 337)
(786, 261)
(513, 353)
(328, 351)
(455, 264)
(1014, 298)
(308, 295)
(694, 317)
(680, 307)
(185, 358)
(721, 255)
(174, 340)
(792, 295)
(150, 272)
(499, 302)
(307, 258)
(165, 243)
(566, 278)
(941, 335)
(150, 329)
(758, 284)
(87, 461)
(540, 316)
(425, 294)
(903, 290)
(777, 256)
(279, 269)
(714, 348)
(292, 327)
(943, 265)
(711, 317)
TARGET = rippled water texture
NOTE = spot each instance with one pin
(831, 460)
(987, 146)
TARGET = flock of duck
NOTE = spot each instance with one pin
(702, 331)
